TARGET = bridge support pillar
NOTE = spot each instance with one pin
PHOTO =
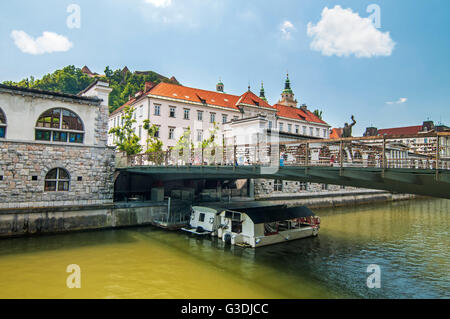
(251, 188)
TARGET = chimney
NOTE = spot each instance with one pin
(99, 89)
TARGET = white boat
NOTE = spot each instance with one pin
(255, 227)
(204, 221)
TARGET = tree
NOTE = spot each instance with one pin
(126, 139)
(154, 144)
(318, 113)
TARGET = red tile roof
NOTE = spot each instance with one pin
(336, 133)
(400, 130)
(195, 95)
(252, 99)
(298, 114)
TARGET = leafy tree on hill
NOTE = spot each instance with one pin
(72, 80)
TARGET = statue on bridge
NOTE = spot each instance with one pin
(347, 130)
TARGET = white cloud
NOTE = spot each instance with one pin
(47, 43)
(400, 101)
(342, 32)
(286, 28)
(159, 3)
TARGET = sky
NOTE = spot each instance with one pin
(385, 62)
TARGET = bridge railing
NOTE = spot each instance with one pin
(424, 151)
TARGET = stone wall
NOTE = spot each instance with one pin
(23, 167)
(264, 187)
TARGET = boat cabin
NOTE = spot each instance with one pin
(260, 226)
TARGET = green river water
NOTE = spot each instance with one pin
(409, 241)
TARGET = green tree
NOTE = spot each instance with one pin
(126, 139)
(318, 113)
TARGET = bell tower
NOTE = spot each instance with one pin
(220, 86)
(287, 96)
(262, 94)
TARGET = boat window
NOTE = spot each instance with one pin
(233, 215)
(236, 226)
(201, 218)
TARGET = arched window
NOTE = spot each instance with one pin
(60, 125)
(57, 180)
(2, 124)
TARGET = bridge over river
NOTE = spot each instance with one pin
(414, 164)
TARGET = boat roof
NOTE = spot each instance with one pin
(271, 214)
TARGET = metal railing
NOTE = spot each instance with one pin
(365, 152)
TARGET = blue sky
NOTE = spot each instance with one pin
(338, 64)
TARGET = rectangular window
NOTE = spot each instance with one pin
(201, 217)
(317, 132)
(141, 111)
(224, 118)
(290, 128)
(2, 132)
(311, 131)
(76, 138)
(172, 112)
(140, 131)
(212, 118)
(304, 130)
(325, 133)
(199, 135)
(171, 133)
(278, 185)
(43, 135)
(157, 110)
(157, 131)
(281, 127)
(200, 116)
(186, 114)
(297, 129)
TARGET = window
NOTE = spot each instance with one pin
(325, 132)
(311, 131)
(200, 116)
(304, 130)
(278, 185)
(57, 180)
(157, 109)
(281, 127)
(140, 131)
(324, 187)
(141, 111)
(317, 132)
(2, 124)
(201, 217)
(290, 128)
(172, 112)
(199, 135)
(157, 131)
(186, 114)
(270, 125)
(212, 118)
(171, 133)
(297, 129)
(59, 125)
(224, 118)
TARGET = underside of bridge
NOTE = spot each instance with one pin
(434, 183)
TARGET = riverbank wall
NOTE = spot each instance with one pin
(39, 221)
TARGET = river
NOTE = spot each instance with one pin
(408, 240)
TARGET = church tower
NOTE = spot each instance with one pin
(219, 86)
(262, 94)
(287, 96)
